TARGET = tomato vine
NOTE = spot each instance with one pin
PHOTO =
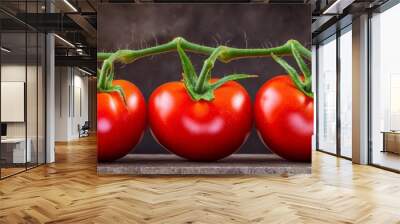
(199, 87)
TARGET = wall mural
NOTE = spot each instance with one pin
(204, 81)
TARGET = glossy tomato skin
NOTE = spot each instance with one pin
(284, 119)
(200, 130)
(120, 126)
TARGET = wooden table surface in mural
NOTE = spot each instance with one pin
(71, 192)
(244, 164)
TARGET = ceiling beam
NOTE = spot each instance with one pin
(86, 26)
(337, 7)
(79, 61)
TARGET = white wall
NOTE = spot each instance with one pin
(71, 94)
(10, 73)
(80, 110)
(16, 73)
(61, 103)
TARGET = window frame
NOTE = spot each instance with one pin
(346, 27)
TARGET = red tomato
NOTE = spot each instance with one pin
(284, 119)
(120, 126)
(200, 130)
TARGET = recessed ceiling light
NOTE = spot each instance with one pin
(84, 71)
(65, 41)
(5, 50)
(70, 5)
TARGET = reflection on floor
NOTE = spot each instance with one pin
(386, 159)
(70, 191)
(10, 169)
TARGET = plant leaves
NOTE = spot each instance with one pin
(192, 93)
(117, 89)
(228, 78)
(189, 73)
(110, 78)
(302, 65)
(292, 73)
(205, 74)
(302, 50)
(208, 77)
(120, 91)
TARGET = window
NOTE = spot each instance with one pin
(335, 74)
(385, 89)
(327, 95)
(345, 94)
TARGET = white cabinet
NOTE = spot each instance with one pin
(17, 146)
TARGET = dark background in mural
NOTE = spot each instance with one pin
(128, 26)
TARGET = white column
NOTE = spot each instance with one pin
(360, 90)
(50, 100)
(314, 89)
(50, 92)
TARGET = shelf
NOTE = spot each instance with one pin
(167, 164)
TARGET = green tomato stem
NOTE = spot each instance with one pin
(206, 70)
(222, 53)
(128, 56)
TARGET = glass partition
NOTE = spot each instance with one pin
(23, 90)
(41, 97)
(32, 98)
(14, 153)
(327, 95)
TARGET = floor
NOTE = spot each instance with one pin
(387, 159)
(70, 191)
(10, 171)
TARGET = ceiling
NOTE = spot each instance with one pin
(76, 22)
